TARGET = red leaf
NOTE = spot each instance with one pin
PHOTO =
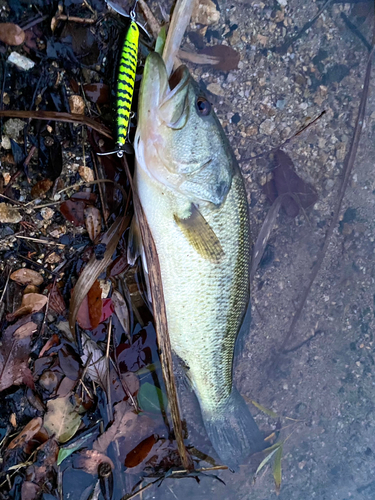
(140, 452)
(94, 310)
(74, 212)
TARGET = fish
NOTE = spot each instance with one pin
(193, 196)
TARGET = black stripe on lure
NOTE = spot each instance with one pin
(126, 79)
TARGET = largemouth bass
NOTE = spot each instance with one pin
(193, 196)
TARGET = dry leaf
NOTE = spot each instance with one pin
(94, 268)
(31, 289)
(89, 461)
(41, 188)
(93, 221)
(121, 310)
(30, 435)
(73, 211)
(228, 58)
(9, 214)
(98, 366)
(56, 300)
(127, 424)
(14, 354)
(140, 452)
(205, 12)
(61, 419)
(11, 34)
(26, 277)
(31, 303)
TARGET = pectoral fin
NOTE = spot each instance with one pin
(200, 235)
(135, 250)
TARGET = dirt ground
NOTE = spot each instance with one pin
(323, 381)
(328, 382)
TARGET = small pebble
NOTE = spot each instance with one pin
(267, 127)
(21, 62)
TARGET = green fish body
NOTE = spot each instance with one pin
(193, 196)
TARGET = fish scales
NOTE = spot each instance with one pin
(193, 196)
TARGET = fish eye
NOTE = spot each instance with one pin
(203, 106)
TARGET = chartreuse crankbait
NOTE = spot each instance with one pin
(126, 78)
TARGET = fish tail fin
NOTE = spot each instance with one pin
(233, 432)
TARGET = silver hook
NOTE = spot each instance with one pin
(132, 14)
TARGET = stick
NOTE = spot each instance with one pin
(161, 327)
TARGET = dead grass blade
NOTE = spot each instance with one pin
(347, 170)
(95, 267)
(277, 473)
(180, 20)
(59, 117)
(161, 327)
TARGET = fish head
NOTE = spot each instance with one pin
(179, 140)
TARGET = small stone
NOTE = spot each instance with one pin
(215, 88)
(13, 128)
(263, 40)
(6, 177)
(9, 214)
(21, 62)
(47, 213)
(267, 127)
(5, 142)
(77, 105)
(252, 130)
(280, 104)
(205, 12)
(86, 173)
(53, 258)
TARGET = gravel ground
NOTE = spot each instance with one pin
(328, 382)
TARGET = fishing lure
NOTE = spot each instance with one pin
(126, 79)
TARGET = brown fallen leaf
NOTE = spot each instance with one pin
(61, 419)
(56, 300)
(31, 289)
(9, 214)
(138, 454)
(89, 461)
(93, 221)
(41, 188)
(26, 277)
(14, 354)
(90, 312)
(30, 436)
(97, 93)
(11, 34)
(51, 342)
(31, 303)
(73, 211)
(30, 490)
(128, 425)
(227, 57)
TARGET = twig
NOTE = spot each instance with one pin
(150, 18)
(107, 358)
(37, 240)
(347, 169)
(59, 117)
(356, 31)
(160, 317)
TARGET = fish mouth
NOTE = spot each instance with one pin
(173, 108)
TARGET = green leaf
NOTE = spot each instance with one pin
(152, 399)
(160, 41)
(61, 419)
(266, 460)
(68, 449)
(277, 468)
(264, 410)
